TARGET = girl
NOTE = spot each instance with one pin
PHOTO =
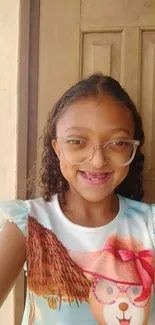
(88, 242)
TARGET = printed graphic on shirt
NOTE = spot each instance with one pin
(51, 273)
(122, 278)
(116, 281)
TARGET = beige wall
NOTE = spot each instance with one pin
(14, 26)
(9, 33)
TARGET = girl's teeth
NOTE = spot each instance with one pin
(93, 179)
(98, 176)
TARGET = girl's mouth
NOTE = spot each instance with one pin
(95, 178)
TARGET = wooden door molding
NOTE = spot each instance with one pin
(33, 94)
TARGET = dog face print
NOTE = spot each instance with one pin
(114, 303)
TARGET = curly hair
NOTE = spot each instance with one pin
(96, 86)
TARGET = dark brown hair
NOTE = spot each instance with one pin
(97, 85)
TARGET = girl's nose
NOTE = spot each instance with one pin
(123, 306)
(98, 160)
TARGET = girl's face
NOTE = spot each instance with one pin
(93, 122)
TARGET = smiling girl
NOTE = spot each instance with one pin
(88, 241)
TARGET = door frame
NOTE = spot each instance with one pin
(28, 57)
(33, 94)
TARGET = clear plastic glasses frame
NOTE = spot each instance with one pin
(112, 145)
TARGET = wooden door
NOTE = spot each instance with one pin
(77, 38)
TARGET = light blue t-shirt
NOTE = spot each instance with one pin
(87, 276)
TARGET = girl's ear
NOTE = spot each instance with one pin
(55, 146)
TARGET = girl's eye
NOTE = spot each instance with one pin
(75, 141)
(120, 143)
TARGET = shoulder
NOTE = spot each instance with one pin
(153, 217)
(142, 212)
(18, 211)
(45, 212)
(133, 207)
(40, 206)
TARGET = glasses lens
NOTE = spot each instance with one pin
(106, 291)
(77, 151)
(120, 152)
(134, 293)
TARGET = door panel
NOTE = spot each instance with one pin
(102, 52)
(147, 107)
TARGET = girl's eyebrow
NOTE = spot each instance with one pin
(116, 130)
(76, 128)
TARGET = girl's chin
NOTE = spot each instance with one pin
(95, 197)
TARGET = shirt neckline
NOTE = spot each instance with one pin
(69, 223)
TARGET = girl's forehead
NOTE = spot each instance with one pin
(94, 115)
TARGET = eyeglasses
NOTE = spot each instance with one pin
(107, 292)
(78, 151)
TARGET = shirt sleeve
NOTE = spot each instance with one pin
(14, 211)
(153, 216)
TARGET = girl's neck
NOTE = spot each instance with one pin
(90, 214)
